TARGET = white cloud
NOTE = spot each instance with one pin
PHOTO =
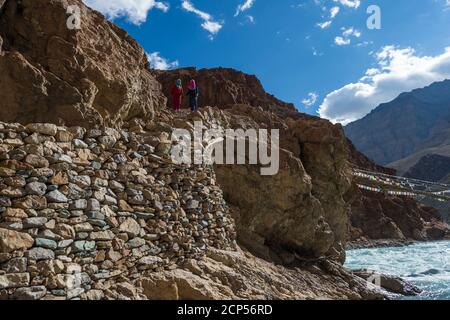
(135, 11)
(160, 63)
(350, 3)
(316, 53)
(251, 19)
(364, 43)
(346, 34)
(341, 41)
(163, 6)
(300, 5)
(398, 70)
(213, 27)
(334, 12)
(351, 32)
(248, 4)
(447, 5)
(324, 25)
(310, 100)
(320, 4)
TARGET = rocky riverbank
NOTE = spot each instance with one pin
(393, 285)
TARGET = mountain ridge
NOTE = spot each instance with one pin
(398, 129)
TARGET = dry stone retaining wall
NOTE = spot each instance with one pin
(81, 208)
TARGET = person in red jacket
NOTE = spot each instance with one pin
(177, 95)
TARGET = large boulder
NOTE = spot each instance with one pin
(50, 73)
(239, 275)
(390, 283)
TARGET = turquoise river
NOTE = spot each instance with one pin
(427, 265)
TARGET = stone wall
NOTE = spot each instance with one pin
(81, 208)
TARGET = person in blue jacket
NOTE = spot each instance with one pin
(193, 93)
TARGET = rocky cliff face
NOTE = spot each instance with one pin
(94, 75)
(299, 212)
(376, 216)
(223, 87)
(379, 217)
(107, 209)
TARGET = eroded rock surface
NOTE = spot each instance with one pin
(217, 277)
(49, 73)
(299, 212)
(377, 216)
(223, 87)
(378, 219)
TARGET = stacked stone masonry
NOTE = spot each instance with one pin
(83, 209)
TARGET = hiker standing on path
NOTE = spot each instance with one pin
(177, 95)
(193, 93)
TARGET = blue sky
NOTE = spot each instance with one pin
(318, 54)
